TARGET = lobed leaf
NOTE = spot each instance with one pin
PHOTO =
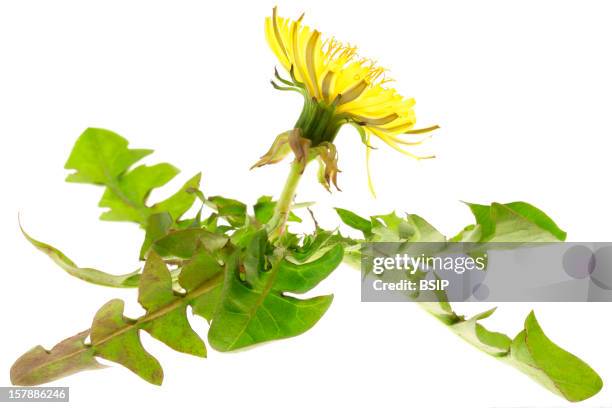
(234, 211)
(166, 318)
(201, 268)
(514, 222)
(255, 308)
(102, 157)
(534, 354)
(39, 366)
(264, 209)
(495, 344)
(355, 221)
(117, 338)
(531, 351)
(185, 243)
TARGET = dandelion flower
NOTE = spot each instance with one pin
(339, 87)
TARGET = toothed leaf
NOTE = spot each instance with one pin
(257, 308)
(154, 294)
(39, 366)
(355, 221)
(514, 222)
(530, 351)
(232, 210)
(181, 201)
(124, 348)
(102, 157)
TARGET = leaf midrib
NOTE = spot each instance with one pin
(112, 184)
(253, 310)
(204, 288)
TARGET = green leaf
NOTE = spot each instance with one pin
(233, 211)
(264, 209)
(127, 195)
(39, 366)
(117, 338)
(538, 217)
(355, 221)
(514, 222)
(423, 231)
(314, 245)
(556, 369)
(496, 344)
(124, 348)
(202, 267)
(155, 295)
(129, 280)
(300, 278)
(184, 243)
(392, 228)
(530, 351)
(158, 227)
(533, 353)
(180, 202)
(258, 309)
(102, 157)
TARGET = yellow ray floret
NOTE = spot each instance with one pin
(333, 74)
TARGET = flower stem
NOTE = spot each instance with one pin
(277, 224)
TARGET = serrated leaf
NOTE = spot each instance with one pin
(232, 210)
(423, 231)
(99, 156)
(129, 280)
(314, 245)
(102, 157)
(201, 268)
(124, 348)
(391, 228)
(181, 201)
(300, 278)
(264, 209)
(116, 337)
(184, 243)
(533, 353)
(354, 221)
(258, 309)
(126, 197)
(39, 366)
(514, 222)
(530, 351)
(158, 227)
(496, 344)
(172, 328)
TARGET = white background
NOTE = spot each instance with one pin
(522, 92)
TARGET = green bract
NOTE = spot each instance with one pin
(241, 270)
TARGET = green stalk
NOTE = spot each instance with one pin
(276, 225)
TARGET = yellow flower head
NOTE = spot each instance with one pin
(339, 88)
